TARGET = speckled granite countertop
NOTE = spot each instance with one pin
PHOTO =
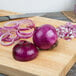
(59, 16)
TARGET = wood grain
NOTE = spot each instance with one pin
(70, 15)
(6, 13)
(56, 62)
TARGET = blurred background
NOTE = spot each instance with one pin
(27, 6)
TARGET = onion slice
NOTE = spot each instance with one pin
(3, 43)
(24, 36)
(12, 31)
(67, 31)
(15, 24)
(3, 30)
(27, 22)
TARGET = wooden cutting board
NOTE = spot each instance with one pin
(70, 15)
(56, 62)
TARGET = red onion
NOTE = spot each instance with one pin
(25, 51)
(67, 31)
(45, 36)
(3, 30)
(4, 43)
(15, 32)
(15, 24)
(23, 35)
(27, 22)
(21, 31)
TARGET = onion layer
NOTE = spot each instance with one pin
(4, 43)
(15, 30)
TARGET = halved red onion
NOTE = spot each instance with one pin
(25, 51)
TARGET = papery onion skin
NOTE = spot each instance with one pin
(45, 37)
(25, 51)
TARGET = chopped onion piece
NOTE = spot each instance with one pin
(67, 31)
(26, 22)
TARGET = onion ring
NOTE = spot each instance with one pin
(24, 36)
(3, 43)
(67, 31)
(12, 33)
(20, 31)
(29, 23)
(15, 24)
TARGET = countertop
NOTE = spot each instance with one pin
(59, 16)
